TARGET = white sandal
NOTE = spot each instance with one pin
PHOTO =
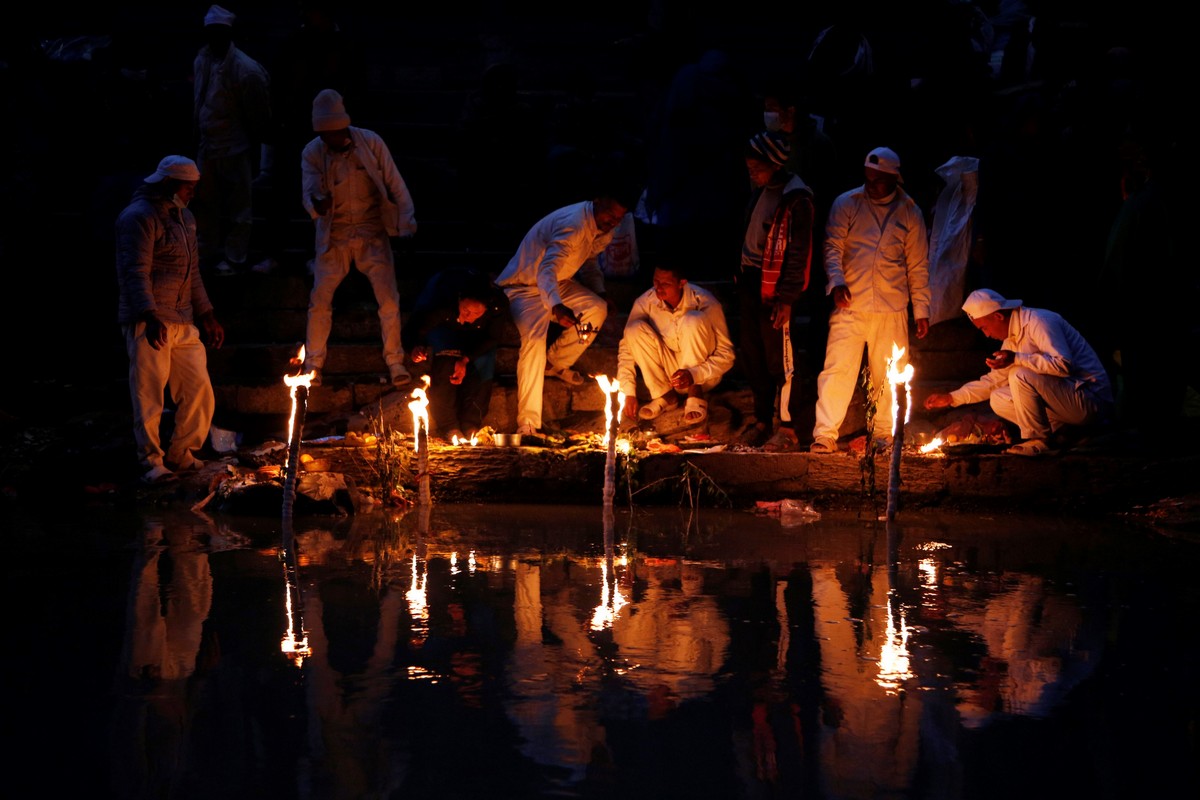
(655, 408)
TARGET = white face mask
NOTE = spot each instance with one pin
(771, 121)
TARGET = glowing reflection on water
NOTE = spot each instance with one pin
(707, 658)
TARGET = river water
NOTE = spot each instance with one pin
(494, 651)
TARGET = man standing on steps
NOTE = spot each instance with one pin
(161, 300)
(353, 191)
(877, 263)
(554, 278)
(232, 110)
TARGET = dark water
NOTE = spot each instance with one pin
(497, 651)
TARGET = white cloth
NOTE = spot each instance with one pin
(849, 331)
(181, 367)
(533, 323)
(659, 340)
(554, 265)
(1055, 379)
(370, 203)
(880, 252)
(950, 237)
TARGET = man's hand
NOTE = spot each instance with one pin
(564, 316)
(419, 353)
(938, 400)
(681, 380)
(781, 313)
(211, 331)
(922, 328)
(841, 297)
(156, 331)
(322, 205)
(1001, 359)
(460, 371)
(630, 408)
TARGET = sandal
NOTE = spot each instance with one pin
(1030, 447)
(655, 407)
(695, 410)
(823, 446)
(566, 375)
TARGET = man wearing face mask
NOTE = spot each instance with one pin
(161, 297)
(232, 114)
(877, 263)
(354, 193)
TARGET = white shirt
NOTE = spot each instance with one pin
(879, 251)
(558, 246)
(695, 300)
(1044, 342)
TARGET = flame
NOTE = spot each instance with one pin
(420, 411)
(896, 377)
(292, 381)
(610, 387)
(933, 446)
(456, 440)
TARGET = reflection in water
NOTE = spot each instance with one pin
(556, 657)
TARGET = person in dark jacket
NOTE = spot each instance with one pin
(775, 266)
(161, 298)
(454, 329)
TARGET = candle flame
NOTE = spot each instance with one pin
(420, 411)
(897, 377)
(457, 440)
(610, 387)
(933, 446)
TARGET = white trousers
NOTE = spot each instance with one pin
(373, 258)
(181, 367)
(533, 323)
(1041, 404)
(849, 331)
(690, 344)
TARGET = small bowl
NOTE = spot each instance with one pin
(507, 439)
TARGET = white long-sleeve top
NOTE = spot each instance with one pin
(319, 178)
(695, 300)
(879, 251)
(1047, 344)
(560, 245)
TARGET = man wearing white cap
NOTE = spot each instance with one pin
(161, 298)
(1044, 376)
(232, 114)
(352, 189)
(877, 263)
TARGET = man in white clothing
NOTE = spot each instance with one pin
(1044, 376)
(877, 262)
(677, 336)
(553, 277)
(352, 189)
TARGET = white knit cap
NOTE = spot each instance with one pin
(219, 16)
(329, 112)
(177, 167)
